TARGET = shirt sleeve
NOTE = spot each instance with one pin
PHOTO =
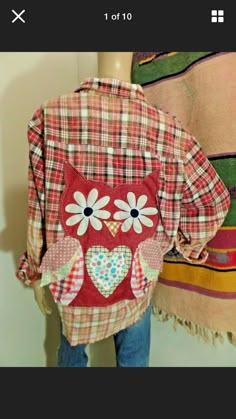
(29, 263)
(205, 204)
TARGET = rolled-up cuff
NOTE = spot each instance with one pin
(25, 273)
(194, 252)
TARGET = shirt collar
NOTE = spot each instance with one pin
(113, 87)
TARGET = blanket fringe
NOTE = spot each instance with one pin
(207, 335)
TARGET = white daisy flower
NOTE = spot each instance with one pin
(87, 211)
(134, 213)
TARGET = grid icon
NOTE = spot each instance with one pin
(217, 16)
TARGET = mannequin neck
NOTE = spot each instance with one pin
(116, 65)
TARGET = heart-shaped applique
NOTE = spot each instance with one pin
(108, 268)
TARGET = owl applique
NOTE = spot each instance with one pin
(107, 253)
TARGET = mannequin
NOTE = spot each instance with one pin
(116, 65)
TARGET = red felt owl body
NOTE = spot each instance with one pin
(108, 253)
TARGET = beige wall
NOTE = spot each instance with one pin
(26, 80)
(27, 338)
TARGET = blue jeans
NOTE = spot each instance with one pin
(132, 347)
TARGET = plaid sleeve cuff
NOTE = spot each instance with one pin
(24, 272)
(193, 252)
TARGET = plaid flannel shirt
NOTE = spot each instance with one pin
(114, 117)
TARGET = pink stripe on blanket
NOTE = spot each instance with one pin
(224, 239)
(199, 290)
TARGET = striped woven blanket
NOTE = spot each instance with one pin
(199, 89)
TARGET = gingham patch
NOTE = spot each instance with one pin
(66, 290)
(139, 282)
(113, 226)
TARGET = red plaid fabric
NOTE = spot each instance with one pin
(110, 133)
(139, 282)
(66, 290)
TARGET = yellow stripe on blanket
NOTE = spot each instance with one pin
(199, 276)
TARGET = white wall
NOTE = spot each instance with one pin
(26, 337)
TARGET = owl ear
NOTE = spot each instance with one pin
(152, 179)
(70, 173)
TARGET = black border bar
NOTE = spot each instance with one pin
(91, 26)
